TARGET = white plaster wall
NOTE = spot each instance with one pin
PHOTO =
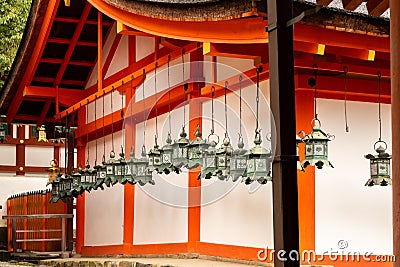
(104, 216)
(11, 184)
(345, 208)
(160, 210)
(106, 50)
(121, 57)
(118, 101)
(8, 155)
(233, 213)
(175, 77)
(144, 46)
(235, 64)
(104, 210)
(38, 156)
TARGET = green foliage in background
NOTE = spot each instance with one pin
(13, 16)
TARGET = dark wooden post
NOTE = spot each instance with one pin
(284, 168)
(395, 83)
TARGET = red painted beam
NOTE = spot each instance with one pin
(249, 51)
(64, 81)
(73, 43)
(76, 20)
(72, 62)
(66, 97)
(312, 34)
(68, 41)
(126, 30)
(99, 51)
(173, 44)
(34, 61)
(44, 112)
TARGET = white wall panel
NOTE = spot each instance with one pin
(8, 155)
(231, 66)
(118, 101)
(160, 210)
(236, 214)
(104, 216)
(144, 46)
(121, 57)
(345, 208)
(106, 50)
(11, 184)
(100, 148)
(38, 156)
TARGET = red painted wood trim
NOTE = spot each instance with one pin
(306, 180)
(129, 190)
(99, 51)
(20, 151)
(43, 114)
(33, 63)
(72, 44)
(68, 41)
(169, 248)
(80, 201)
(132, 49)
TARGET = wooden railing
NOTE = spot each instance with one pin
(31, 223)
(41, 232)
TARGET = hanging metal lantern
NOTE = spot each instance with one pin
(3, 132)
(379, 166)
(209, 165)
(143, 175)
(223, 157)
(131, 169)
(53, 171)
(196, 148)
(55, 189)
(120, 167)
(166, 156)
(65, 187)
(316, 146)
(180, 150)
(298, 141)
(238, 161)
(76, 189)
(110, 170)
(258, 163)
(101, 174)
(42, 134)
(88, 178)
(155, 160)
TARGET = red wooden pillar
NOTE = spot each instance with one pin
(194, 194)
(129, 190)
(80, 201)
(395, 83)
(306, 180)
(20, 150)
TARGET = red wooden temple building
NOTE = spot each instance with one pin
(116, 69)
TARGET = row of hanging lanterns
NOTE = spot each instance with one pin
(223, 162)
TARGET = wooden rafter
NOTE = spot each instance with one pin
(324, 2)
(68, 41)
(72, 62)
(377, 7)
(63, 81)
(351, 4)
(76, 20)
(72, 44)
